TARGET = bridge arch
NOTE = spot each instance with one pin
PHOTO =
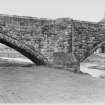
(95, 48)
(100, 45)
(18, 45)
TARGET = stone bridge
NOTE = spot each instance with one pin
(43, 40)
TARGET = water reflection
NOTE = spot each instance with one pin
(21, 62)
(94, 65)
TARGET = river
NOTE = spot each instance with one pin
(94, 65)
(38, 84)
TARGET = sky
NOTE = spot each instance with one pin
(88, 10)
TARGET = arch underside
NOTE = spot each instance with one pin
(94, 49)
(35, 56)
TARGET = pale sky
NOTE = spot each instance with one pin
(89, 10)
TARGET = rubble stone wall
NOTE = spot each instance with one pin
(86, 35)
(55, 38)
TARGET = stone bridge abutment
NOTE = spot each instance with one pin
(62, 41)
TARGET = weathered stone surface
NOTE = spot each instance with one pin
(40, 39)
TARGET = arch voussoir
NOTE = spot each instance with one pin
(35, 56)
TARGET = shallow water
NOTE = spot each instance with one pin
(87, 68)
(48, 85)
(16, 59)
(38, 84)
(95, 66)
(92, 68)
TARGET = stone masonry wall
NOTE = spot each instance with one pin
(86, 36)
(64, 36)
(46, 36)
